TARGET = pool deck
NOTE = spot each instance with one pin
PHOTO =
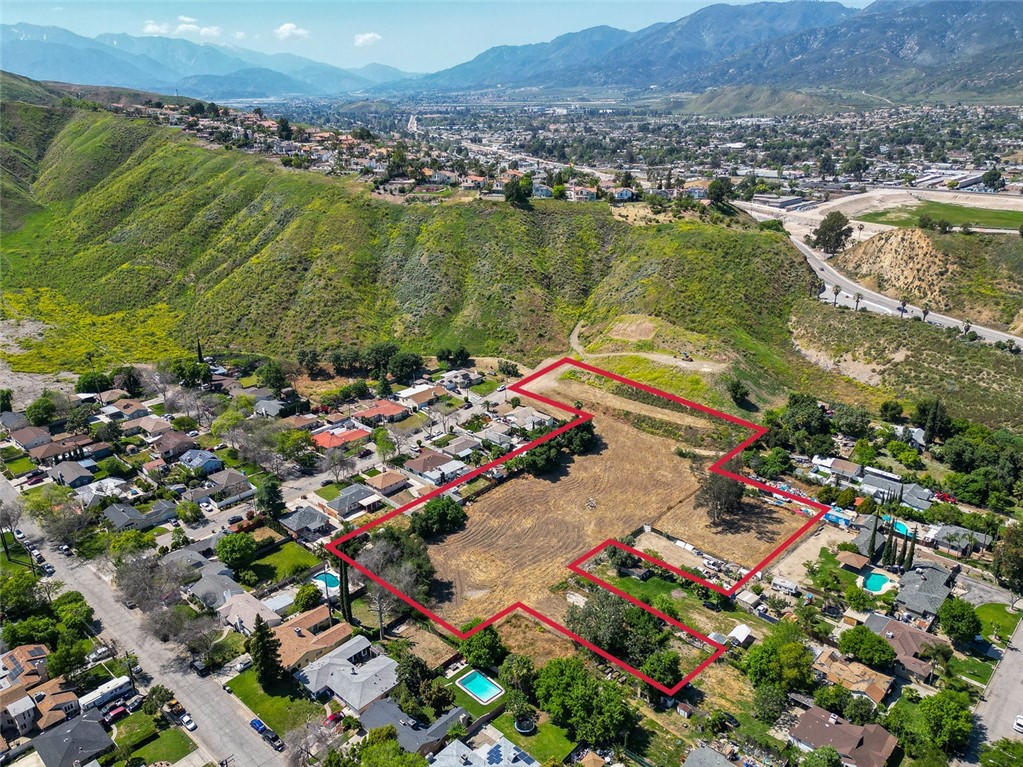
(889, 582)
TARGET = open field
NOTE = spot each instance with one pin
(524, 636)
(957, 215)
(520, 536)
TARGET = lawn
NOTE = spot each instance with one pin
(171, 745)
(997, 619)
(954, 214)
(283, 708)
(548, 742)
(227, 649)
(283, 562)
(829, 563)
(973, 669)
(19, 557)
(466, 701)
(134, 729)
(330, 492)
(489, 386)
(21, 465)
(413, 422)
(655, 744)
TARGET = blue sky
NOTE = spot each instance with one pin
(414, 35)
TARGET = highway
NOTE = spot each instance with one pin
(881, 304)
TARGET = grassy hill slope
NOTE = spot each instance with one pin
(254, 257)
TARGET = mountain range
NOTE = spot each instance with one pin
(907, 49)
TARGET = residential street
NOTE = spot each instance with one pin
(223, 729)
(1002, 703)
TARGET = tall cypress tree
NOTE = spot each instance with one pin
(912, 552)
(889, 547)
(872, 548)
(265, 651)
(901, 562)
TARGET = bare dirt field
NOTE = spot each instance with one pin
(790, 565)
(667, 551)
(427, 645)
(524, 636)
(745, 537)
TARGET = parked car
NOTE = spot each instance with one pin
(326, 482)
(130, 604)
(235, 519)
(187, 722)
(118, 713)
(174, 707)
(65, 550)
(1018, 724)
(49, 569)
(712, 606)
(134, 703)
(100, 653)
(200, 668)
(34, 480)
(18, 534)
(258, 726)
(333, 719)
(193, 433)
(243, 665)
(38, 557)
(271, 737)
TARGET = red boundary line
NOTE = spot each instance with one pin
(575, 566)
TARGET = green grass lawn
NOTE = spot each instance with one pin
(248, 381)
(972, 668)
(19, 557)
(547, 742)
(996, 618)
(330, 492)
(470, 704)
(228, 648)
(171, 745)
(954, 214)
(413, 422)
(134, 729)
(489, 386)
(829, 563)
(283, 708)
(280, 564)
(21, 465)
(655, 744)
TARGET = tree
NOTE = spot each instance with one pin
(439, 516)
(284, 129)
(157, 697)
(483, 649)
(517, 672)
(269, 500)
(948, 718)
(189, 512)
(833, 233)
(737, 390)
(891, 410)
(769, 703)
(872, 547)
(665, 668)
(992, 179)
(719, 495)
(93, 383)
(931, 416)
(41, 411)
(310, 360)
(237, 550)
(264, 649)
(860, 711)
(1009, 558)
(307, 597)
(826, 756)
(959, 620)
(720, 191)
(517, 192)
(866, 647)
(338, 463)
(518, 706)
(7, 396)
(386, 559)
(18, 593)
(10, 515)
(404, 366)
(1002, 753)
(859, 599)
(384, 444)
(271, 375)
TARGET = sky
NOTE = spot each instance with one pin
(413, 35)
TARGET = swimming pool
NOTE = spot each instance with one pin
(900, 527)
(327, 579)
(875, 582)
(480, 686)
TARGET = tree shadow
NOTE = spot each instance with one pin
(442, 591)
(761, 519)
(748, 407)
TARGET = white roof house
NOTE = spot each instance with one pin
(355, 673)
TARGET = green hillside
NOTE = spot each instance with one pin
(253, 257)
(26, 131)
(17, 88)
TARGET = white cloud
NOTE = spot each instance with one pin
(153, 28)
(239, 35)
(187, 19)
(187, 29)
(209, 32)
(291, 31)
(366, 39)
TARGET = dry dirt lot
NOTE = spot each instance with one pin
(790, 566)
(524, 636)
(427, 645)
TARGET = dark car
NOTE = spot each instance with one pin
(712, 606)
(199, 667)
(235, 519)
(326, 482)
(258, 726)
(366, 453)
(731, 720)
(271, 737)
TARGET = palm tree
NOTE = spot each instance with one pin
(966, 326)
(836, 290)
(858, 297)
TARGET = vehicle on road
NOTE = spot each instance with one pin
(200, 668)
(1017, 725)
(272, 738)
(19, 534)
(187, 722)
(175, 708)
(49, 569)
(235, 519)
(258, 726)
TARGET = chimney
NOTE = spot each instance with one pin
(298, 631)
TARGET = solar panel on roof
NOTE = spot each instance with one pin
(494, 755)
(36, 652)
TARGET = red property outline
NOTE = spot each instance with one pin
(575, 566)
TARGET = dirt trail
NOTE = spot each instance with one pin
(694, 366)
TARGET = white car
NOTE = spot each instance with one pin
(187, 722)
(1018, 724)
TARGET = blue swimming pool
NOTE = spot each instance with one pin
(900, 527)
(480, 686)
(875, 582)
(327, 579)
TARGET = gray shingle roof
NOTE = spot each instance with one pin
(386, 711)
(77, 740)
(924, 589)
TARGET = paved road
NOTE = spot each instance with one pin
(875, 302)
(1002, 703)
(223, 728)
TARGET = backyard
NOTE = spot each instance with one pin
(283, 708)
(149, 738)
(547, 742)
(283, 562)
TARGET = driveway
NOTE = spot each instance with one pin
(223, 728)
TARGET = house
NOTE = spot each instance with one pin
(301, 421)
(215, 585)
(858, 746)
(155, 468)
(953, 539)
(123, 516)
(387, 482)
(622, 194)
(529, 419)
(64, 449)
(354, 500)
(202, 461)
(860, 680)
(70, 474)
(427, 461)
(241, 610)
(112, 395)
(581, 194)
(412, 737)
(95, 494)
(908, 641)
(269, 408)
(913, 436)
(30, 437)
(356, 673)
(309, 636)
(748, 600)
(883, 486)
(222, 489)
(339, 438)
(498, 434)
(703, 756)
(153, 426)
(923, 590)
(845, 471)
(125, 410)
(74, 743)
(172, 445)
(500, 753)
(542, 191)
(420, 396)
(741, 636)
(11, 422)
(307, 524)
(446, 472)
(382, 410)
(462, 447)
